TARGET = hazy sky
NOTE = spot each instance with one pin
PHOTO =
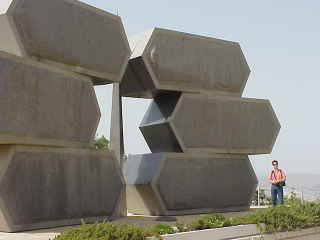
(280, 40)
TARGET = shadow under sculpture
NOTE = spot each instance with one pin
(198, 127)
(52, 53)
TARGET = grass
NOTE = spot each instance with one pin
(276, 219)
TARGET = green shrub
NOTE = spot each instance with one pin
(105, 231)
(208, 222)
(100, 143)
(162, 229)
(283, 218)
(274, 219)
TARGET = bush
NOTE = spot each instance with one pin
(208, 222)
(275, 219)
(283, 218)
(100, 143)
(105, 231)
(161, 229)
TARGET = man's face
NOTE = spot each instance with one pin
(275, 165)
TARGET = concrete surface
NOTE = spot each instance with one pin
(116, 139)
(178, 183)
(226, 233)
(170, 60)
(245, 232)
(43, 187)
(116, 129)
(224, 124)
(68, 33)
(42, 105)
(215, 124)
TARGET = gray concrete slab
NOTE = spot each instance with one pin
(43, 187)
(179, 183)
(207, 123)
(68, 33)
(224, 124)
(43, 105)
(170, 60)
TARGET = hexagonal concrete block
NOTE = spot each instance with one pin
(68, 33)
(212, 124)
(225, 125)
(169, 60)
(179, 183)
(47, 187)
(42, 105)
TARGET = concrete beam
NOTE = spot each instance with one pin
(68, 33)
(179, 183)
(42, 105)
(48, 187)
(214, 124)
(170, 60)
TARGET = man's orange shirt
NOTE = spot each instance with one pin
(277, 175)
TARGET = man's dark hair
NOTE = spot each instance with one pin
(274, 161)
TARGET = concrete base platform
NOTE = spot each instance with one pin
(44, 187)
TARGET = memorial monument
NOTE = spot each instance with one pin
(198, 127)
(52, 53)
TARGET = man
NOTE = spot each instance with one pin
(276, 177)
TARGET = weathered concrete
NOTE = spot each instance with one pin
(116, 130)
(178, 183)
(240, 232)
(68, 33)
(116, 139)
(225, 233)
(43, 105)
(170, 60)
(216, 124)
(44, 187)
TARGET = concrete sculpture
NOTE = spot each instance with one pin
(175, 61)
(226, 125)
(180, 183)
(198, 127)
(66, 33)
(51, 55)
(47, 187)
(35, 110)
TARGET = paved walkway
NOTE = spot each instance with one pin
(32, 235)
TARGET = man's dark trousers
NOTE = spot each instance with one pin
(276, 193)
